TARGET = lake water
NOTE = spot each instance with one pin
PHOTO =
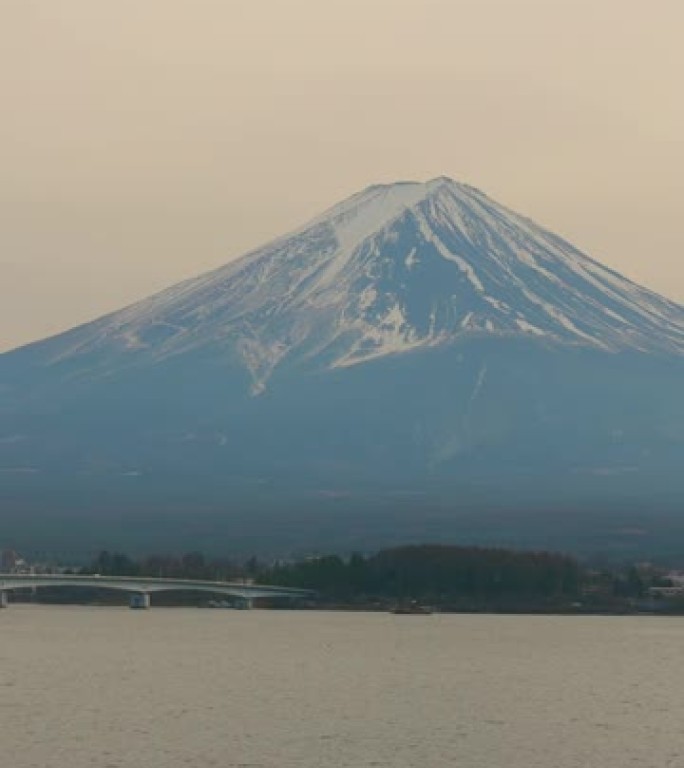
(104, 687)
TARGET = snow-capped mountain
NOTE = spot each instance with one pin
(392, 269)
(416, 334)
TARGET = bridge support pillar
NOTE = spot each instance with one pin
(4, 599)
(140, 602)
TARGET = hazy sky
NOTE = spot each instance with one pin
(144, 141)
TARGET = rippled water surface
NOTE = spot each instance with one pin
(91, 687)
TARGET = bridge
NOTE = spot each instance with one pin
(140, 588)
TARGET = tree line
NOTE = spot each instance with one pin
(435, 573)
(466, 578)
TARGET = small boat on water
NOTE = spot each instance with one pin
(411, 609)
(233, 605)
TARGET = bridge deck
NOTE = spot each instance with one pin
(147, 585)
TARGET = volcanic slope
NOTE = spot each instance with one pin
(415, 337)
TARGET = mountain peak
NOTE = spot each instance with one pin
(378, 205)
(390, 269)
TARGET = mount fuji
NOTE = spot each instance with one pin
(416, 356)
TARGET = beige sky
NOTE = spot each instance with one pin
(144, 141)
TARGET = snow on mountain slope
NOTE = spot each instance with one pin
(393, 268)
